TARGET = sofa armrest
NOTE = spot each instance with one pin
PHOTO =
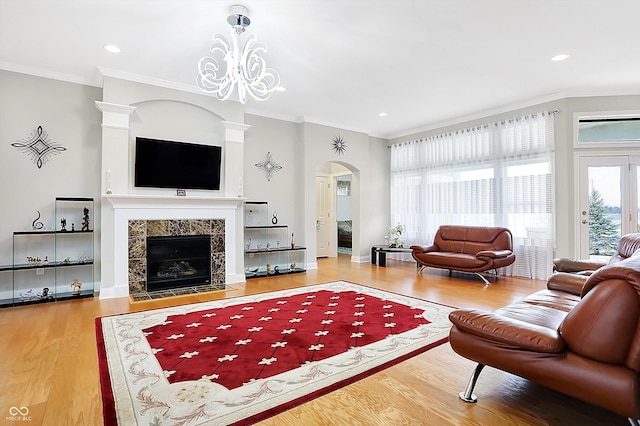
(563, 264)
(425, 249)
(494, 254)
(497, 328)
(567, 282)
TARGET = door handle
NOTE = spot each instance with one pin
(317, 225)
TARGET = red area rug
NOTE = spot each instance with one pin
(240, 360)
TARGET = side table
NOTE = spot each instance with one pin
(379, 253)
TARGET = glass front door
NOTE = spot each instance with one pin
(608, 203)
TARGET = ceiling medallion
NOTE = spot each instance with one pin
(268, 166)
(339, 145)
(232, 64)
(39, 146)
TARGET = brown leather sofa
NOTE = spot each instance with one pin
(474, 249)
(579, 339)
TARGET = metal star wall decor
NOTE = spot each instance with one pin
(39, 146)
(268, 166)
(339, 144)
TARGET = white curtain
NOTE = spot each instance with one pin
(499, 174)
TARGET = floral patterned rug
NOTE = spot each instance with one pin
(243, 359)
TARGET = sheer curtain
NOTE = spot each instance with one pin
(498, 174)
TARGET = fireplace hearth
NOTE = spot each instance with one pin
(178, 261)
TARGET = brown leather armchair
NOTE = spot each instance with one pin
(581, 340)
(474, 249)
(574, 272)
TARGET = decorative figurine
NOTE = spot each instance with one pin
(292, 243)
(45, 294)
(293, 266)
(36, 224)
(274, 219)
(67, 260)
(249, 243)
(85, 219)
(73, 227)
(76, 287)
(33, 261)
(268, 268)
(63, 224)
(276, 270)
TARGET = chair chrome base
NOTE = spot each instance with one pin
(467, 395)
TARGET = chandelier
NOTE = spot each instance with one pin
(231, 65)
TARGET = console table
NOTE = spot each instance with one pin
(379, 253)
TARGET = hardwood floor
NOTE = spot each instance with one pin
(48, 360)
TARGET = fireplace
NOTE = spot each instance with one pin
(178, 261)
(175, 254)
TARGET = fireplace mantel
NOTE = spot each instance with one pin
(118, 209)
(135, 200)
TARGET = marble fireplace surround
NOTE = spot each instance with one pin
(139, 230)
(119, 210)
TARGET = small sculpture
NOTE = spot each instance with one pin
(36, 224)
(45, 294)
(33, 261)
(85, 220)
(274, 219)
(292, 243)
(73, 227)
(63, 224)
(249, 243)
(268, 268)
(76, 285)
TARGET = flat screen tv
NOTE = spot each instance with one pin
(179, 165)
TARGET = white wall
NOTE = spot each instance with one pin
(284, 191)
(67, 113)
(368, 160)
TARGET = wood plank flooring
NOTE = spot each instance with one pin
(48, 360)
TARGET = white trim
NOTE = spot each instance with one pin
(44, 73)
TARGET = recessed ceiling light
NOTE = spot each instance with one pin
(382, 114)
(560, 57)
(112, 48)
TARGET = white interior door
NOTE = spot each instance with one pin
(608, 206)
(323, 213)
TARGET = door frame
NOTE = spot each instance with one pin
(629, 191)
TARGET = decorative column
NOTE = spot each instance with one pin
(115, 179)
(233, 136)
(115, 147)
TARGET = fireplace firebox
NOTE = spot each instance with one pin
(178, 261)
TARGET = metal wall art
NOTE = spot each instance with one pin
(339, 144)
(39, 146)
(268, 166)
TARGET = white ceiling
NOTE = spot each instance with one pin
(424, 62)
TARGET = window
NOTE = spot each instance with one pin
(599, 130)
(499, 174)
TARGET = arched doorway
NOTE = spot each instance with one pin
(335, 221)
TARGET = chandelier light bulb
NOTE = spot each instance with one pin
(232, 65)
